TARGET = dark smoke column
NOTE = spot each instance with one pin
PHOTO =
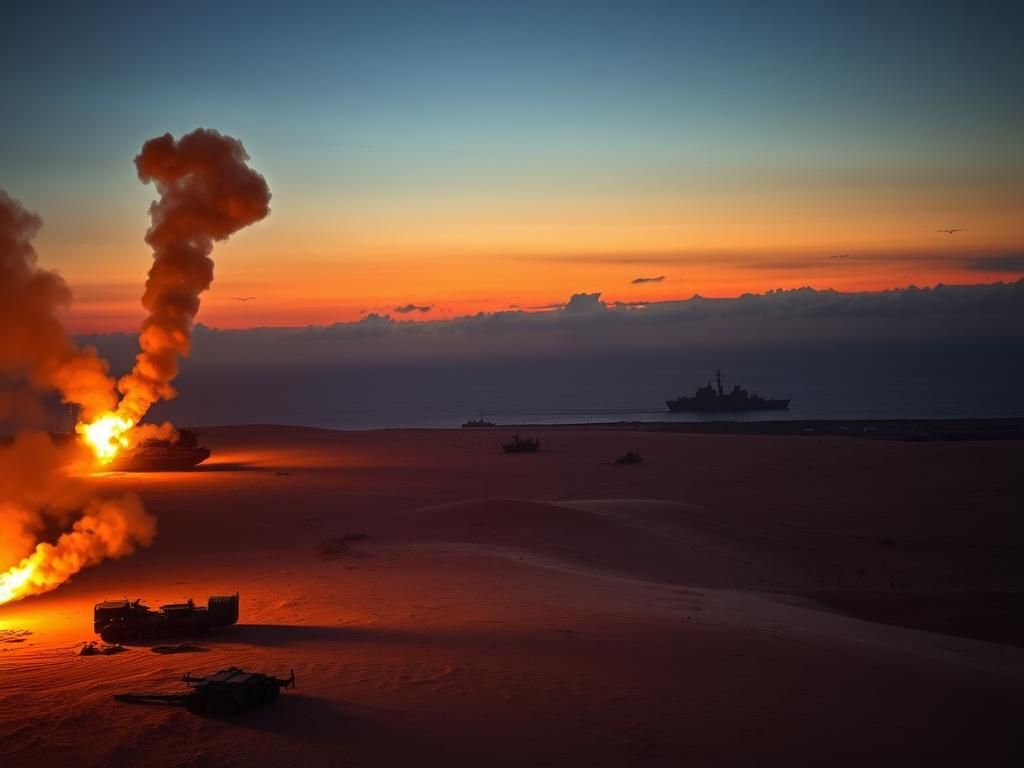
(207, 193)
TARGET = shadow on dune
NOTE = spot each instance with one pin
(284, 635)
(227, 466)
(312, 719)
(276, 635)
(996, 617)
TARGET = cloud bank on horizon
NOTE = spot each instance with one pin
(988, 311)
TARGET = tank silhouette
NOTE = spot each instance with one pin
(223, 693)
(521, 444)
(714, 398)
(117, 621)
(163, 455)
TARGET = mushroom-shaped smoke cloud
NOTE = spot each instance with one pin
(207, 193)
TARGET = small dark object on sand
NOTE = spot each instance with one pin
(225, 693)
(180, 648)
(340, 546)
(92, 648)
(521, 444)
(282, 473)
(630, 457)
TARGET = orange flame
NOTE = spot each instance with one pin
(112, 527)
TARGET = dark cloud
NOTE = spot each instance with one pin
(797, 265)
(586, 326)
(1006, 264)
(584, 303)
(642, 280)
(406, 309)
(601, 352)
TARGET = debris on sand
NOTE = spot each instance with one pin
(13, 635)
(282, 473)
(92, 648)
(631, 456)
(341, 546)
(180, 648)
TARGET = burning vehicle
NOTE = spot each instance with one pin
(156, 455)
(225, 693)
(118, 621)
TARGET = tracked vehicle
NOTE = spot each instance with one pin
(155, 455)
(118, 621)
(224, 693)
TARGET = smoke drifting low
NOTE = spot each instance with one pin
(39, 489)
(207, 193)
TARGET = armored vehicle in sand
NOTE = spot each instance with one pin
(521, 444)
(224, 693)
(714, 399)
(163, 455)
(118, 621)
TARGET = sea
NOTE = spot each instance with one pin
(427, 394)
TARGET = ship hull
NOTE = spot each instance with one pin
(688, 405)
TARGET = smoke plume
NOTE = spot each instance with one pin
(39, 487)
(207, 193)
(39, 490)
(35, 350)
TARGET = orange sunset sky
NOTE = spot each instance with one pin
(475, 157)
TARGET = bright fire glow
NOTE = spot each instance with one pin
(12, 583)
(107, 435)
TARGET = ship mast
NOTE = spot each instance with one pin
(718, 379)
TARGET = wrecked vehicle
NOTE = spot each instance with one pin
(224, 693)
(118, 621)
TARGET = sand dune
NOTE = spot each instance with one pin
(476, 608)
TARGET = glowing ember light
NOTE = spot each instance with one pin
(12, 583)
(107, 435)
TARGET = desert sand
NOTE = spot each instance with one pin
(734, 600)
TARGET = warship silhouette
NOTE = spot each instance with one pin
(712, 398)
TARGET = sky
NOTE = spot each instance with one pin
(450, 158)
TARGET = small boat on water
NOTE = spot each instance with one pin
(479, 421)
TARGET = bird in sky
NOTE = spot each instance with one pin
(950, 231)
(244, 298)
